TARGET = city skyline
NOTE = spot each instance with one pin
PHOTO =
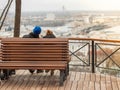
(57, 5)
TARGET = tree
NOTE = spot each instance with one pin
(17, 18)
(5, 12)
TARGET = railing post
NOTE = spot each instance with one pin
(93, 63)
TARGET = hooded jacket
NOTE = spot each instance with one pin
(49, 36)
(31, 35)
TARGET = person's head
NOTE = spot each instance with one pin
(49, 32)
(37, 30)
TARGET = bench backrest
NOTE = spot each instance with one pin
(35, 49)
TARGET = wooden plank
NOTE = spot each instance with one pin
(108, 85)
(41, 81)
(48, 55)
(77, 78)
(33, 63)
(31, 50)
(86, 85)
(19, 81)
(82, 78)
(115, 85)
(93, 76)
(108, 78)
(69, 82)
(35, 59)
(73, 74)
(36, 46)
(56, 80)
(66, 83)
(97, 86)
(118, 79)
(30, 82)
(74, 85)
(118, 82)
(103, 77)
(113, 78)
(98, 78)
(35, 82)
(10, 81)
(25, 81)
(3, 83)
(103, 85)
(47, 80)
(92, 85)
(33, 53)
(33, 39)
(87, 77)
(80, 85)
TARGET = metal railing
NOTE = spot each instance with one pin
(98, 55)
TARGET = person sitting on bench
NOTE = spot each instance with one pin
(34, 34)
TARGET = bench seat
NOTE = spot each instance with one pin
(36, 53)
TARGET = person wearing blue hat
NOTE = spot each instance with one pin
(37, 30)
(34, 34)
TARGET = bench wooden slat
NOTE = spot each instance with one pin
(34, 59)
(33, 47)
(36, 50)
(36, 56)
(34, 40)
(7, 53)
(32, 64)
(35, 67)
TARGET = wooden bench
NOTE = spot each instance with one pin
(39, 53)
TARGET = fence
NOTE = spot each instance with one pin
(95, 55)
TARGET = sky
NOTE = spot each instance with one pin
(57, 5)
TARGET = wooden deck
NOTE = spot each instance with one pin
(23, 80)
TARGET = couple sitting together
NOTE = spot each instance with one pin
(35, 34)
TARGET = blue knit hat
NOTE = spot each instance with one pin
(37, 30)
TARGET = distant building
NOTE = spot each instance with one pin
(50, 16)
(9, 28)
(87, 19)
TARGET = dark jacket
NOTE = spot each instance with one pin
(50, 36)
(31, 35)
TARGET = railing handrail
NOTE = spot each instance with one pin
(94, 39)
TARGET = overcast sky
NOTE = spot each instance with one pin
(57, 5)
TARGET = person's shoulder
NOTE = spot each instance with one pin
(49, 36)
(53, 36)
(44, 37)
(26, 36)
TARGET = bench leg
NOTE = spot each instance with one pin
(66, 73)
(12, 72)
(62, 77)
(6, 73)
(52, 72)
(31, 71)
(68, 69)
(2, 75)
